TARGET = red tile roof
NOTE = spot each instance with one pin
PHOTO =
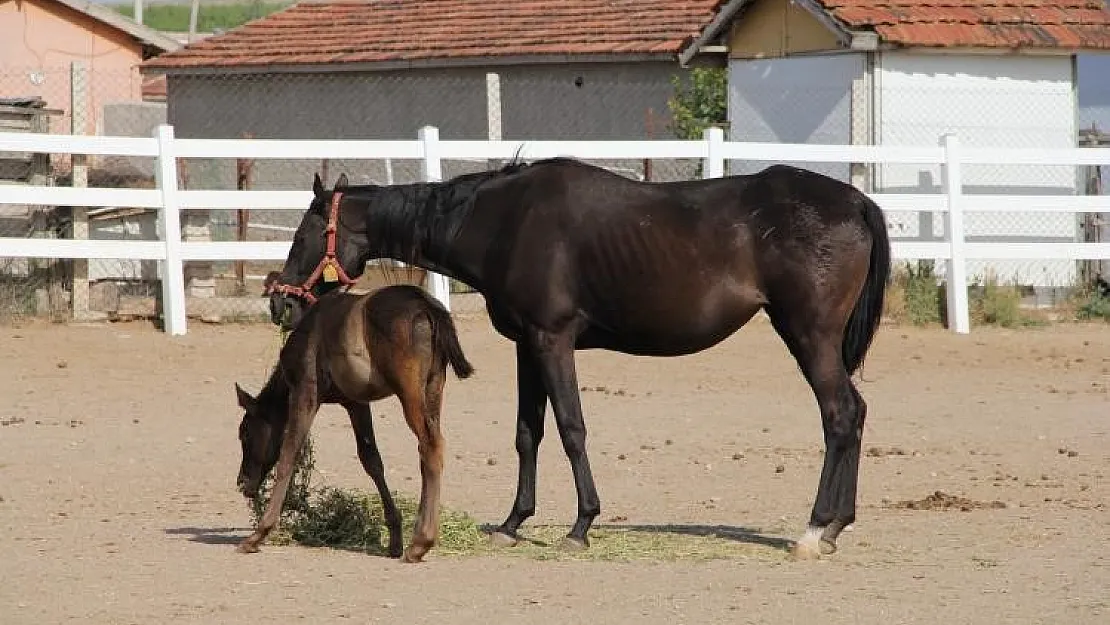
(1069, 24)
(351, 31)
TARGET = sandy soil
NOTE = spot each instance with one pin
(118, 456)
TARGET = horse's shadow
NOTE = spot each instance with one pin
(745, 535)
(211, 535)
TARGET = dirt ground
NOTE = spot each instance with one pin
(118, 456)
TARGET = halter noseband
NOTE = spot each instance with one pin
(328, 267)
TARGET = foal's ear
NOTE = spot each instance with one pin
(342, 181)
(317, 185)
(246, 402)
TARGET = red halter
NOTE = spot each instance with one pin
(329, 267)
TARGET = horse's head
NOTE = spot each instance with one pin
(324, 255)
(260, 442)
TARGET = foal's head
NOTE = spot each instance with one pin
(309, 271)
(260, 438)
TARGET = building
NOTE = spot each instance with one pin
(342, 70)
(41, 40)
(904, 72)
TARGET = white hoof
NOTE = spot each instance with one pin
(811, 547)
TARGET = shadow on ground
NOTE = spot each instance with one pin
(743, 535)
(211, 535)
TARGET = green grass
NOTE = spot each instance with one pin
(175, 17)
(914, 295)
(1093, 306)
(353, 519)
(999, 304)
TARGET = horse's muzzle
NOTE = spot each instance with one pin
(249, 488)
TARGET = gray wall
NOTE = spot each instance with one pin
(538, 102)
(1094, 90)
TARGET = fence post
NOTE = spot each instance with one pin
(959, 314)
(714, 166)
(173, 268)
(79, 114)
(493, 110)
(431, 170)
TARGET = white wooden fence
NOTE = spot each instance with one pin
(172, 252)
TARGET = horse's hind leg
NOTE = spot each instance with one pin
(362, 422)
(302, 410)
(421, 404)
(816, 347)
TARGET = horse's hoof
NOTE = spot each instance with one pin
(412, 556)
(804, 551)
(247, 547)
(812, 546)
(570, 543)
(395, 552)
(501, 539)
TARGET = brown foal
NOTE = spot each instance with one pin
(352, 349)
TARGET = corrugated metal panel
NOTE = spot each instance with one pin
(793, 100)
(987, 101)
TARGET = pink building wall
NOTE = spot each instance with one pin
(39, 39)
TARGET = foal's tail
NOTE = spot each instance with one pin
(869, 307)
(446, 340)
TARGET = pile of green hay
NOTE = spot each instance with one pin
(353, 519)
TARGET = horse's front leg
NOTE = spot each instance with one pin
(554, 353)
(302, 410)
(531, 401)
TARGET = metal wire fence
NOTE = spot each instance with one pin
(560, 102)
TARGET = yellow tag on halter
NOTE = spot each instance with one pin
(330, 274)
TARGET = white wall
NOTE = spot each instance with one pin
(793, 100)
(988, 101)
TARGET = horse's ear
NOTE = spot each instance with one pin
(342, 181)
(246, 402)
(317, 185)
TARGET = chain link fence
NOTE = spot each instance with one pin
(558, 102)
(77, 98)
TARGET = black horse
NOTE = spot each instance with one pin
(571, 256)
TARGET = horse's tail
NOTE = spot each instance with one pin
(868, 311)
(446, 340)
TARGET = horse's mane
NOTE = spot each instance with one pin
(406, 216)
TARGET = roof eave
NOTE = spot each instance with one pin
(849, 39)
(153, 67)
(712, 30)
(117, 20)
(995, 50)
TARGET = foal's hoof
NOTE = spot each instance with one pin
(570, 543)
(501, 539)
(247, 547)
(413, 556)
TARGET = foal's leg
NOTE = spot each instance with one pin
(303, 405)
(362, 422)
(555, 355)
(531, 401)
(421, 404)
(842, 415)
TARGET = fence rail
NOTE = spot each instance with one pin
(171, 251)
